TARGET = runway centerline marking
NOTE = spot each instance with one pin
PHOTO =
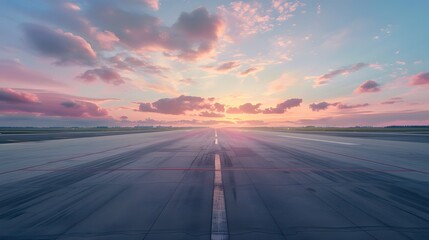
(219, 221)
(215, 133)
(216, 141)
(320, 140)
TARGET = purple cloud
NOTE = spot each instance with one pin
(246, 108)
(350, 106)
(419, 79)
(319, 106)
(132, 63)
(252, 122)
(219, 107)
(211, 114)
(193, 36)
(280, 108)
(368, 86)
(324, 105)
(12, 71)
(179, 105)
(48, 104)
(284, 106)
(187, 81)
(66, 48)
(105, 74)
(11, 96)
(225, 67)
(249, 71)
(393, 100)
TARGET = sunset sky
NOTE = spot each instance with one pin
(214, 63)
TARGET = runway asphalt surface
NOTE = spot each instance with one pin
(162, 185)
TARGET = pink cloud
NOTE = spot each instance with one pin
(246, 108)
(224, 67)
(280, 108)
(368, 86)
(194, 35)
(106, 39)
(319, 106)
(419, 79)
(72, 6)
(252, 122)
(350, 106)
(105, 74)
(284, 106)
(249, 71)
(248, 18)
(48, 104)
(393, 100)
(8, 95)
(179, 105)
(187, 81)
(219, 107)
(133, 63)
(324, 105)
(15, 72)
(342, 71)
(193, 122)
(211, 114)
(66, 48)
(285, 9)
(154, 4)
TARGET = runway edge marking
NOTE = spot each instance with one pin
(320, 140)
(219, 221)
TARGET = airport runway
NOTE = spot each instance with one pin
(215, 184)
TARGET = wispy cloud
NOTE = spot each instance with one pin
(324, 105)
(325, 78)
(280, 84)
(250, 70)
(15, 72)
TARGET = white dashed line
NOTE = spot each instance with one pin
(219, 221)
(319, 140)
(216, 141)
(215, 133)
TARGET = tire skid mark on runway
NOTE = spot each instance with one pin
(13, 203)
(84, 155)
(202, 158)
(368, 213)
(253, 184)
(412, 199)
(367, 160)
(66, 159)
(302, 156)
(167, 202)
(52, 182)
